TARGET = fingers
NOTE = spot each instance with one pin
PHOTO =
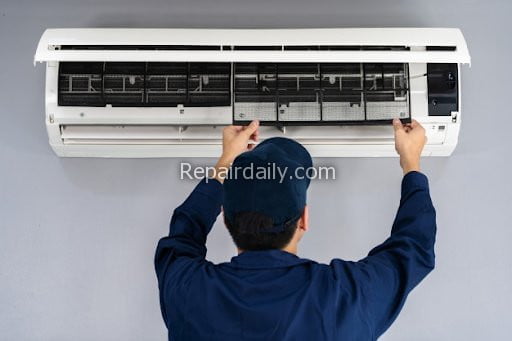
(252, 128)
(414, 124)
(255, 136)
(233, 129)
(416, 127)
(397, 125)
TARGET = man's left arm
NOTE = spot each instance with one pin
(190, 224)
(184, 249)
(180, 253)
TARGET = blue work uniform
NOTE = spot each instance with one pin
(275, 295)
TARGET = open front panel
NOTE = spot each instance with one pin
(132, 84)
(326, 45)
(321, 93)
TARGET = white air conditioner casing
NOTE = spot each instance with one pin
(195, 130)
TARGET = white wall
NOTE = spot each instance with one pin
(77, 236)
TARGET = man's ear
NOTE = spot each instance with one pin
(304, 219)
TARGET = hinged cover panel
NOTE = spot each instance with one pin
(424, 45)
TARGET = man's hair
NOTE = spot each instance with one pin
(249, 231)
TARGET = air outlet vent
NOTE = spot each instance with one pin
(141, 47)
(236, 47)
(346, 48)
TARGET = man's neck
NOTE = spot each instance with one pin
(288, 248)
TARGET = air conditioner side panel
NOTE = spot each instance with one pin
(51, 94)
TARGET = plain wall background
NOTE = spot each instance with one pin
(77, 236)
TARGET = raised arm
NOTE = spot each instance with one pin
(190, 224)
(184, 249)
(392, 269)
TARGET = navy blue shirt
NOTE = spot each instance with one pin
(275, 295)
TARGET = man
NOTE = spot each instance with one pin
(267, 292)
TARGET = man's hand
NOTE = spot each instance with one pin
(409, 142)
(235, 141)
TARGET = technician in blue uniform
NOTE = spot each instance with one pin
(267, 292)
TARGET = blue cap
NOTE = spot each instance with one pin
(271, 180)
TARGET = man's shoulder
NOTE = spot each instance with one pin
(334, 266)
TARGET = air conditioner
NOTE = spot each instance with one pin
(169, 92)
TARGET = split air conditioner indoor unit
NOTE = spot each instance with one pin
(169, 92)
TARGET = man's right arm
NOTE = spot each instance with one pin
(392, 269)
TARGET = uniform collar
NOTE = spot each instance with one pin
(265, 259)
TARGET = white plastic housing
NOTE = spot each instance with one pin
(196, 131)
